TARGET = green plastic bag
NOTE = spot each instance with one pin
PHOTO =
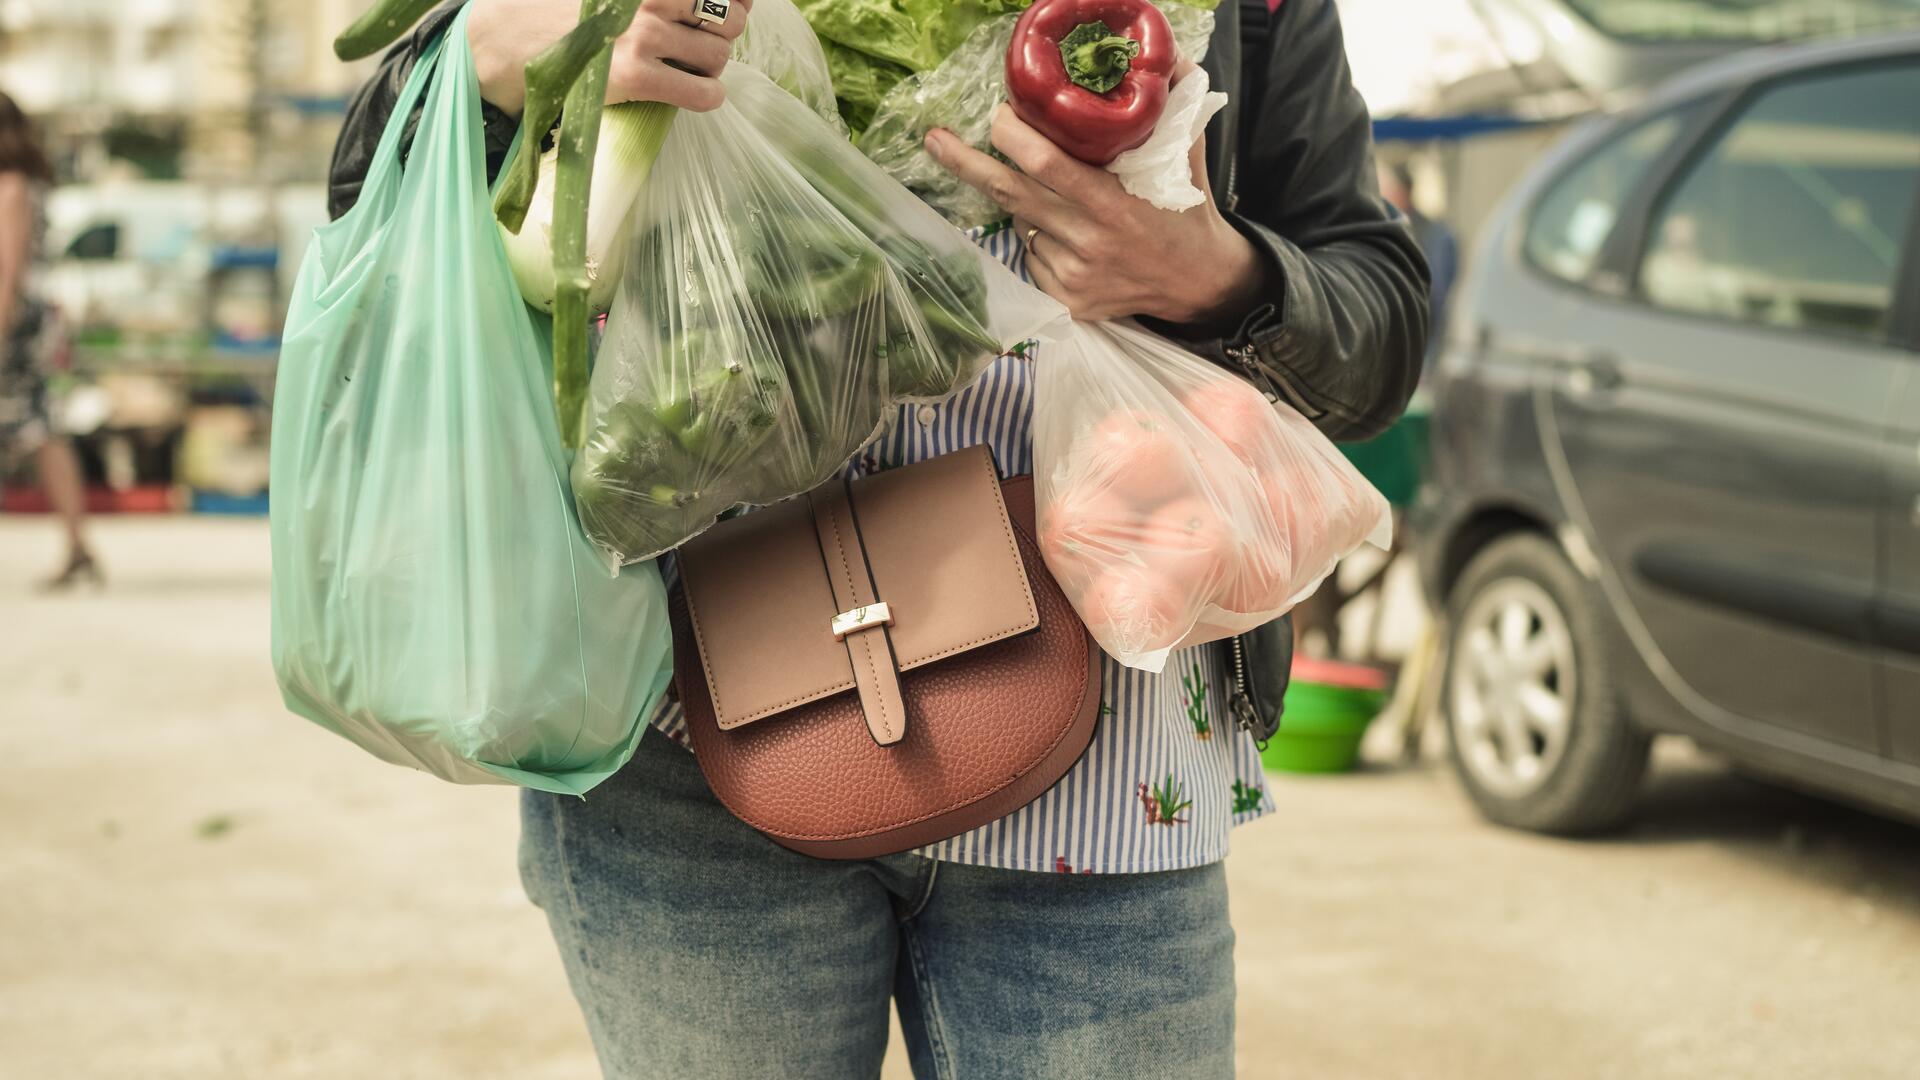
(434, 599)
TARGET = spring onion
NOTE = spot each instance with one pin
(380, 27)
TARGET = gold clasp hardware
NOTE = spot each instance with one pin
(861, 618)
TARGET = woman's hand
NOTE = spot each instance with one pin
(1100, 251)
(667, 55)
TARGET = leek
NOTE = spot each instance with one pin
(630, 139)
(572, 72)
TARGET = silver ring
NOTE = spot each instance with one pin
(712, 11)
(1031, 233)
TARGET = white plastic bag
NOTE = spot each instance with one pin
(1177, 505)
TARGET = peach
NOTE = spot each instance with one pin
(1240, 415)
(1189, 544)
(1140, 456)
(1133, 610)
(1088, 516)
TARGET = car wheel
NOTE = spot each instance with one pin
(1537, 734)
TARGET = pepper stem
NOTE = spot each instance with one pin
(1096, 57)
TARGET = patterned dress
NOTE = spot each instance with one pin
(1168, 775)
(24, 421)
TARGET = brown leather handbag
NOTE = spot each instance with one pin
(881, 665)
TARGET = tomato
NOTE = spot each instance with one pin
(1139, 456)
(1240, 415)
(1188, 543)
(1133, 610)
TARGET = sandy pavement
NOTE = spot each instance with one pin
(195, 884)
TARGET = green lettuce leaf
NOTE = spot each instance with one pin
(873, 44)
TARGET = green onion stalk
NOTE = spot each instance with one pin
(380, 27)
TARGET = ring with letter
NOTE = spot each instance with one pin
(712, 11)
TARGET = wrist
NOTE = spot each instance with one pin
(500, 69)
(1222, 299)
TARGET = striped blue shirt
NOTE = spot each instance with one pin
(1168, 775)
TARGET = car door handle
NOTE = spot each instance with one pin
(1595, 372)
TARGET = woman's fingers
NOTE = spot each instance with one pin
(1056, 269)
(659, 59)
(700, 51)
(1040, 159)
(659, 81)
(689, 13)
(1019, 196)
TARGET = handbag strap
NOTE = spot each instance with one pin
(864, 618)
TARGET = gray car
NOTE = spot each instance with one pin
(1676, 446)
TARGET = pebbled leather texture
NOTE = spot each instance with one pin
(988, 731)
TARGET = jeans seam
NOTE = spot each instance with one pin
(578, 911)
(943, 1065)
(926, 895)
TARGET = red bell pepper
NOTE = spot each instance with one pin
(1091, 75)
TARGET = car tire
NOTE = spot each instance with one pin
(1526, 643)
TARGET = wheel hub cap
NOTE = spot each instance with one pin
(1513, 686)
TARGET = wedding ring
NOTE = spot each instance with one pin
(1031, 233)
(712, 11)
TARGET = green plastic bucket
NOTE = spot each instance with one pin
(1328, 709)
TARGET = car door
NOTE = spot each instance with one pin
(1721, 437)
(1898, 616)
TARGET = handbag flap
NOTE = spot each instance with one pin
(941, 550)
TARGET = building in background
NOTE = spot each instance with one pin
(217, 90)
(192, 139)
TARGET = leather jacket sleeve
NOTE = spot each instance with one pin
(1343, 336)
(373, 104)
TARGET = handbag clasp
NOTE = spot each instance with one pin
(861, 618)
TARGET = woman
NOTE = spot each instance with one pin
(1085, 935)
(24, 423)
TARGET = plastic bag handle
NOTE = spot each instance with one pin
(386, 157)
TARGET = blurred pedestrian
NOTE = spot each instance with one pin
(1437, 242)
(30, 337)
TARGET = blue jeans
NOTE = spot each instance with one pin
(699, 948)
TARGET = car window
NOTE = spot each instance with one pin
(1571, 223)
(100, 242)
(1798, 215)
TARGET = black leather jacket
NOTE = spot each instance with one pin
(1341, 335)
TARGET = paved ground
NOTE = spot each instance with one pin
(194, 884)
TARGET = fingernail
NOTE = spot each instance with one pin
(936, 141)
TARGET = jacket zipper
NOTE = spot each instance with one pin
(1245, 357)
(1240, 702)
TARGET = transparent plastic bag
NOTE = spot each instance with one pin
(1176, 504)
(432, 593)
(961, 95)
(783, 47)
(781, 296)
